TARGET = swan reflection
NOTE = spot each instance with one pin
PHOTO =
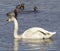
(29, 45)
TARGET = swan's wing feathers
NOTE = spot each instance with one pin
(40, 32)
(36, 31)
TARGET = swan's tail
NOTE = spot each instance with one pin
(53, 33)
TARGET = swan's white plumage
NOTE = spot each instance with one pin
(31, 33)
(36, 32)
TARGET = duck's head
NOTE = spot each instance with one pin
(18, 6)
(22, 4)
(11, 16)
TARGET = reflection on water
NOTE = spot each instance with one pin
(15, 44)
(35, 44)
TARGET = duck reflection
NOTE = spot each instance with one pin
(29, 45)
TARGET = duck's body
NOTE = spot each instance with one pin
(35, 8)
(31, 33)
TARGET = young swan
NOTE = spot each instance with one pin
(31, 33)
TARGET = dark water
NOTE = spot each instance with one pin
(47, 17)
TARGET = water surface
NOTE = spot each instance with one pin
(47, 17)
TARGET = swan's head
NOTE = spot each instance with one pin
(11, 16)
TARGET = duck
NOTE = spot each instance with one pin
(35, 8)
(30, 33)
(20, 6)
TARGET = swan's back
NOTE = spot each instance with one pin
(35, 32)
(32, 33)
(35, 29)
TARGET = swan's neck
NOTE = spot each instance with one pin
(15, 28)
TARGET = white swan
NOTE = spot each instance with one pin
(31, 33)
